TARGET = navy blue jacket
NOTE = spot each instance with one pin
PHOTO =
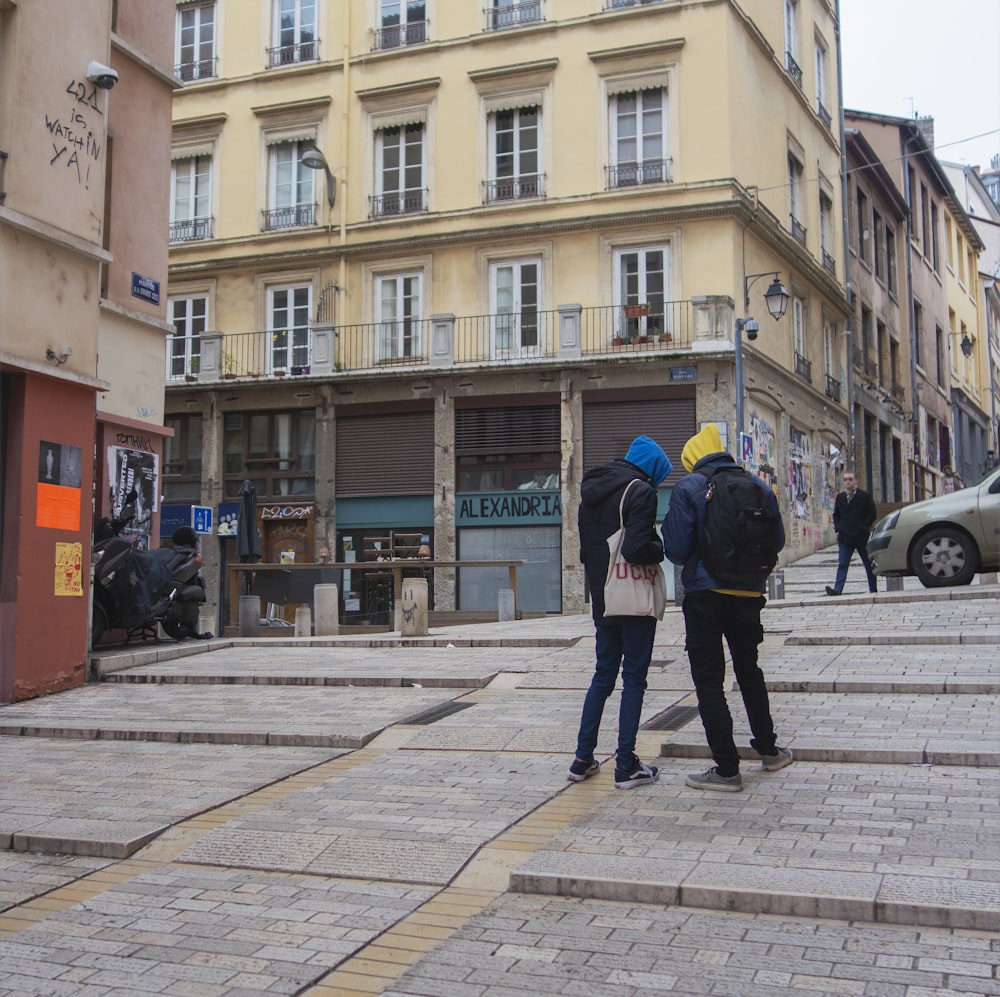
(600, 492)
(685, 520)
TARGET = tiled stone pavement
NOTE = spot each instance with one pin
(329, 716)
(25, 876)
(407, 816)
(547, 945)
(107, 798)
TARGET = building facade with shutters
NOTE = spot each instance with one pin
(432, 261)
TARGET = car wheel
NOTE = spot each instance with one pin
(942, 557)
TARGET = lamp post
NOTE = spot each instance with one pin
(313, 159)
(776, 299)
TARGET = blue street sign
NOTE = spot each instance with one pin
(201, 518)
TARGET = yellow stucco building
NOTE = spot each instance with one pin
(430, 258)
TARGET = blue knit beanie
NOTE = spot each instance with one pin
(648, 455)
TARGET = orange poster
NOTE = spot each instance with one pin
(69, 569)
(58, 507)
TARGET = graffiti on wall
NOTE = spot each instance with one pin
(763, 461)
(799, 469)
(77, 132)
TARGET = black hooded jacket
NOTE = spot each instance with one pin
(600, 492)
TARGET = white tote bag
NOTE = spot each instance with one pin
(632, 589)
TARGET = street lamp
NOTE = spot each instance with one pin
(313, 159)
(966, 346)
(776, 299)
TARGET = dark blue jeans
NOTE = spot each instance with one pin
(844, 553)
(708, 617)
(625, 644)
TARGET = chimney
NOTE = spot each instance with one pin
(926, 126)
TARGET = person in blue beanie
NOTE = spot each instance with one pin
(623, 642)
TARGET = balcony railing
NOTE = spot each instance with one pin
(803, 368)
(798, 229)
(614, 331)
(794, 70)
(829, 263)
(405, 202)
(514, 188)
(190, 229)
(292, 216)
(618, 4)
(200, 69)
(636, 174)
(289, 55)
(513, 15)
(824, 114)
(399, 35)
(832, 388)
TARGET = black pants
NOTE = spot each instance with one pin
(708, 617)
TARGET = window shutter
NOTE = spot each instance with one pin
(506, 430)
(610, 427)
(389, 454)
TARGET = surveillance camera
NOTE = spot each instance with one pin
(104, 76)
(751, 328)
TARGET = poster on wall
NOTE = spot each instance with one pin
(69, 569)
(58, 489)
(138, 469)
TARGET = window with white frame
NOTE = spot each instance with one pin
(798, 326)
(194, 55)
(288, 310)
(864, 225)
(291, 198)
(293, 33)
(515, 293)
(399, 170)
(401, 22)
(792, 41)
(514, 154)
(829, 355)
(189, 317)
(878, 244)
(641, 278)
(821, 103)
(826, 231)
(512, 13)
(399, 307)
(638, 133)
(795, 196)
(191, 198)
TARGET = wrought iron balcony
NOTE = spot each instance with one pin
(636, 174)
(514, 188)
(190, 229)
(794, 70)
(618, 4)
(399, 35)
(293, 216)
(832, 388)
(803, 368)
(513, 15)
(200, 69)
(829, 263)
(824, 114)
(289, 55)
(404, 202)
(798, 229)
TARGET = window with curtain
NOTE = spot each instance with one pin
(288, 324)
(399, 309)
(291, 187)
(637, 129)
(188, 315)
(274, 450)
(194, 55)
(191, 199)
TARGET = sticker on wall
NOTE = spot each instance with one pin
(69, 569)
(58, 489)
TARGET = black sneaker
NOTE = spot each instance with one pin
(639, 776)
(579, 771)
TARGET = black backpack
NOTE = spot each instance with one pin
(742, 536)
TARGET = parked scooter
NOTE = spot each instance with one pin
(137, 589)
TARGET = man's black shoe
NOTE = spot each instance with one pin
(830, 590)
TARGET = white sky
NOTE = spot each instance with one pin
(936, 57)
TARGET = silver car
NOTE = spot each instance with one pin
(943, 540)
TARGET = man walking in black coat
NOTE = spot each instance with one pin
(853, 518)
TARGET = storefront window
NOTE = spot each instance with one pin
(182, 459)
(274, 450)
(539, 584)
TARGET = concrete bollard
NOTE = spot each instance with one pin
(413, 608)
(894, 583)
(776, 584)
(206, 619)
(249, 616)
(303, 621)
(505, 605)
(327, 599)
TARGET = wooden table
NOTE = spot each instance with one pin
(396, 565)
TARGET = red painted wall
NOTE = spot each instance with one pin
(47, 650)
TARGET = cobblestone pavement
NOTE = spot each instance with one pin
(368, 816)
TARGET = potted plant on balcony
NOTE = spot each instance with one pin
(194, 365)
(228, 366)
(636, 311)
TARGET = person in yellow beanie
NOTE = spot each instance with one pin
(712, 611)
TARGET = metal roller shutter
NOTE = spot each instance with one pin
(390, 454)
(609, 428)
(507, 430)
